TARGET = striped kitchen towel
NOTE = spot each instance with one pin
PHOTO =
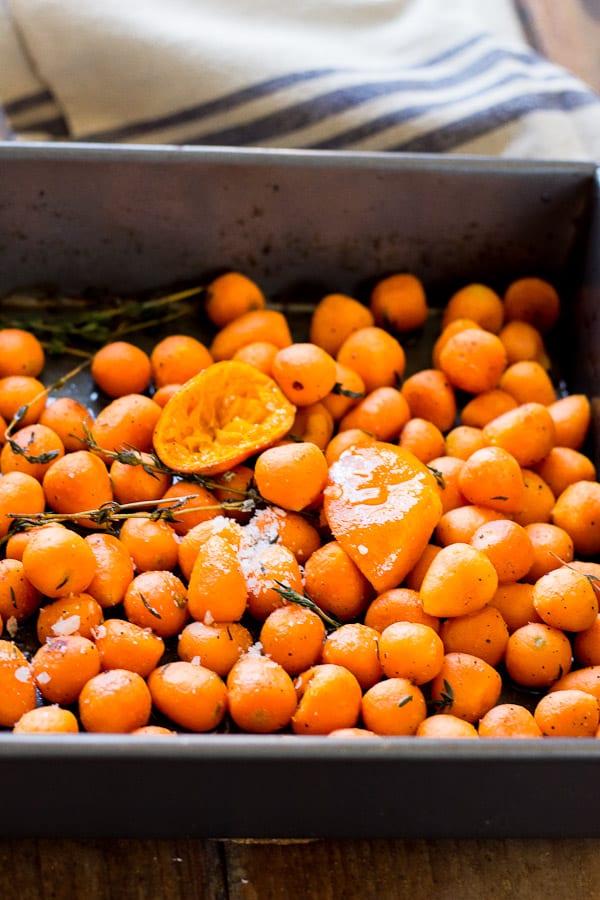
(391, 75)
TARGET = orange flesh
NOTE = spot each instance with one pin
(382, 505)
(220, 417)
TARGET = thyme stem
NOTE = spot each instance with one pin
(116, 317)
(151, 464)
(292, 596)
(112, 512)
(55, 386)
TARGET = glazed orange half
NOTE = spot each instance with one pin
(382, 505)
(220, 417)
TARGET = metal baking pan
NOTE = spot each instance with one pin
(127, 220)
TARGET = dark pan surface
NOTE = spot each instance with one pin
(87, 221)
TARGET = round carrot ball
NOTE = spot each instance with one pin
(477, 302)
(399, 302)
(473, 360)
(292, 476)
(121, 368)
(21, 353)
(230, 295)
(305, 373)
(532, 300)
(116, 701)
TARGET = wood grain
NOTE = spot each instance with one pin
(567, 32)
(416, 869)
(102, 870)
(317, 870)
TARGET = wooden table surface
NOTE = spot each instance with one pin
(319, 870)
(567, 31)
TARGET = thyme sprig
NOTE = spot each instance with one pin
(109, 515)
(22, 411)
(292, 596)
(35, 459)
(127, 455)
(153, 465)
(116, 318)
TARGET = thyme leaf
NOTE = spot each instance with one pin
(446, 700)
(151, 610)
(338, 388)
(439, 477)
(42, 458)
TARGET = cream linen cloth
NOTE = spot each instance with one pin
(392, 75)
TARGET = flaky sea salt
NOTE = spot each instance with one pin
(23, 674)
(70, 625)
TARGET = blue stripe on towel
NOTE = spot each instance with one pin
(210, 108)
(27, 102)
(311, 112)
(263, 89)
(395, 117)
(441, 140)
(412, 94)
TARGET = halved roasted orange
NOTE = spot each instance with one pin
(382, 505)
(221, 417)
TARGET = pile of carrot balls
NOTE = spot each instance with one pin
(333, 546)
